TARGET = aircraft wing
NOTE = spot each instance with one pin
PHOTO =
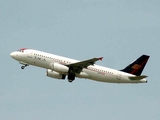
(77, 67)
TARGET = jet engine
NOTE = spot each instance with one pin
(53, 74)
(59, 68)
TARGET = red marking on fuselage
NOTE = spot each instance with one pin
(23, 48)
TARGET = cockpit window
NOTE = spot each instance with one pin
(19, 50)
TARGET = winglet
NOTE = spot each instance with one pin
(101, 58)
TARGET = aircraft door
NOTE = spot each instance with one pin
(29, 55)
(118, 76)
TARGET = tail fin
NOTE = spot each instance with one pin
(137, 66)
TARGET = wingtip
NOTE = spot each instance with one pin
(101, 58)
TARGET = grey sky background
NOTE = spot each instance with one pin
(120, 31)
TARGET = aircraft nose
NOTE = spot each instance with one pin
(13, 55)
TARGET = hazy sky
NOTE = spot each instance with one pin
(120, 31)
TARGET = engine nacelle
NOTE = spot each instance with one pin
(59, 68)
(53, 74)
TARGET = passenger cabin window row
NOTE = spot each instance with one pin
(52, 58)
(98, 70)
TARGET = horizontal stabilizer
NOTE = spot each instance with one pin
(138, 77)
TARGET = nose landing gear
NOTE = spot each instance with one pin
(22, 67)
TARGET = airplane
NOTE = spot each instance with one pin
(59, 67)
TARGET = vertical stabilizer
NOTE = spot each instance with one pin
(137, 66)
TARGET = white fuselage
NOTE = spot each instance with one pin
(96, 72)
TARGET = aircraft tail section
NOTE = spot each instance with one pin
(137, 66)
